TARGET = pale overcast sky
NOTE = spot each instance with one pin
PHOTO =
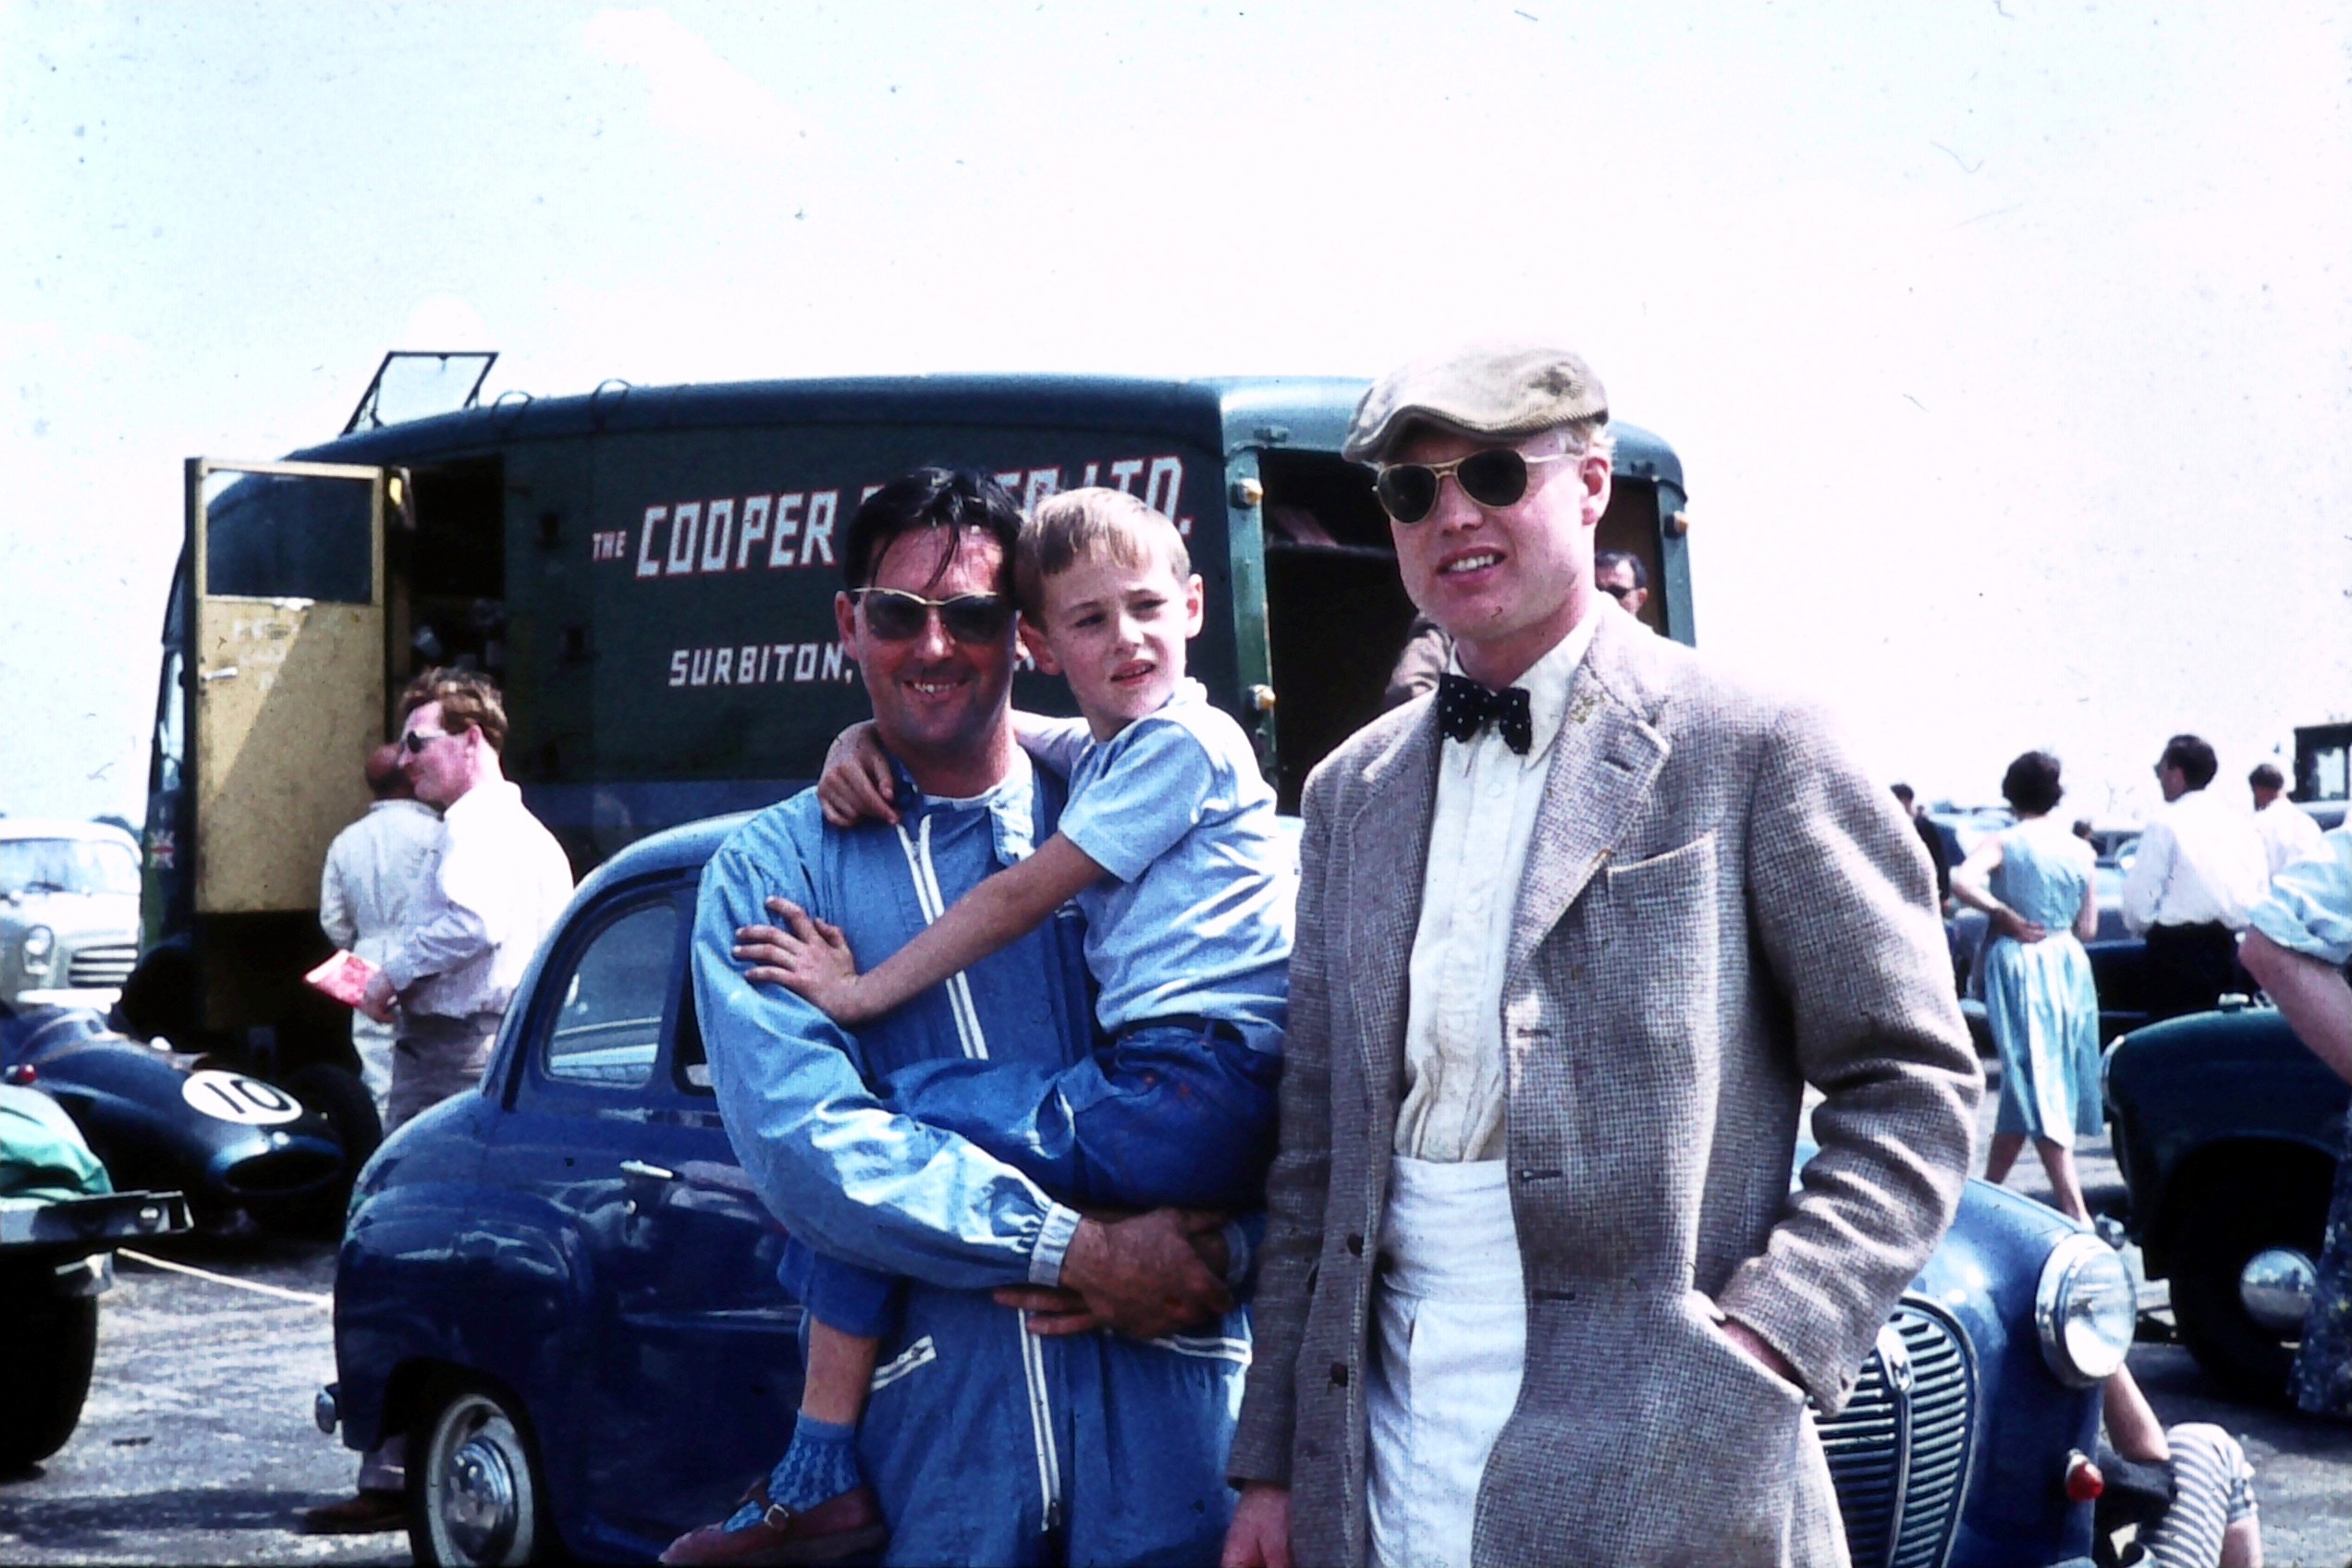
(2005, 344)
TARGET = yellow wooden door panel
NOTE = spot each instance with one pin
(289, 694)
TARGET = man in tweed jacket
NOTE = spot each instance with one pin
(1535, 1288)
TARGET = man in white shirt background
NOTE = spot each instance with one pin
(2197, 875)
(2287, 832)
(491, 889)
(373, 870)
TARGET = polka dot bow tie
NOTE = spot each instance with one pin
(1464, 708)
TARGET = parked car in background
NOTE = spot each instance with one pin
(284, 1153)
(69, 911)
(562, 1289)
(2227, 1130)
(60, 1221)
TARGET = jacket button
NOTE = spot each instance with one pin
(1356, 1245)
(1339, 1374)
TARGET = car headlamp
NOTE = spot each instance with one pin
(2085, 1310)
(39, 943)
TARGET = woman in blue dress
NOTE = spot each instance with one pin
(2037, 884)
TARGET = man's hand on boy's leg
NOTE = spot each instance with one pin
(1146, 1276)
(856, 785)
(1055, 1310)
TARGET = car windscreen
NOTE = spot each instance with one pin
(66, 865)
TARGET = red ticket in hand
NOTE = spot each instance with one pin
(345, 977)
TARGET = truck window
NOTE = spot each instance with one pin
(278, 536)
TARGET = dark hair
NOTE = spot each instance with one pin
(952, 498)
(2193, 757)
(1609, 559)
(468, 701)
(2265, 777)
(2032, 784)
(1902, 793)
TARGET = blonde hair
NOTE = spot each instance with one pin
(1089, 524)
(468, 701)
(1581, 435)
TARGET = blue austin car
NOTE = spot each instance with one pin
(563, 1291)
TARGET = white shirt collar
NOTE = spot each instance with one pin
(487, 796)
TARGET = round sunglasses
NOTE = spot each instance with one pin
(896, 615)
(1495, 477)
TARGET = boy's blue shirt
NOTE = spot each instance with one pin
(1195, 916)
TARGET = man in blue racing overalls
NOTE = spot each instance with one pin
(986, 1440)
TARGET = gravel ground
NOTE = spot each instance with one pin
(197, 1443)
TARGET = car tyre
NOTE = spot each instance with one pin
(2225, 1223)
(477, 1495)
(49, 1363)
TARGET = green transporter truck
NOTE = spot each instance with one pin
(649, 573)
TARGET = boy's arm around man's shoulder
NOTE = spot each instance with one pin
(843, 1171)
(1842, 904)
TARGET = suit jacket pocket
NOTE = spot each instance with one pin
(1666, 902)
(1646, 1437)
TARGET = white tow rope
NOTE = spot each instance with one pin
(305, 1297)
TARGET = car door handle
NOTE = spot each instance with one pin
(645, 1186)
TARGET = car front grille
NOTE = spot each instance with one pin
(108, 964)
(1899, 1452)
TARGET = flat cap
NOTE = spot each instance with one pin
(1506, 389)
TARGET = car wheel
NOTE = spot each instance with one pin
(49, 1362)
(476, 1494)
(350, 1111)
(2225, 1223)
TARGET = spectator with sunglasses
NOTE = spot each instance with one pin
(491, 887)
(494, 886)
(1573, 936)
(1620, 575)
(977, 1436)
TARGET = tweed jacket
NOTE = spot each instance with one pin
(1718, 908)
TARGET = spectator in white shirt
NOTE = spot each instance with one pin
(2287, 832)
(373, 870)
(2197, 875)
(493, 889)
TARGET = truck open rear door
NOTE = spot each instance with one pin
(287, 691)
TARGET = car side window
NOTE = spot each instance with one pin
(690, 1065)
(608, 1029)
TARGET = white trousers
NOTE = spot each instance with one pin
(1451, 1343)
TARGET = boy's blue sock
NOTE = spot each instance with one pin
(821, 1463)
